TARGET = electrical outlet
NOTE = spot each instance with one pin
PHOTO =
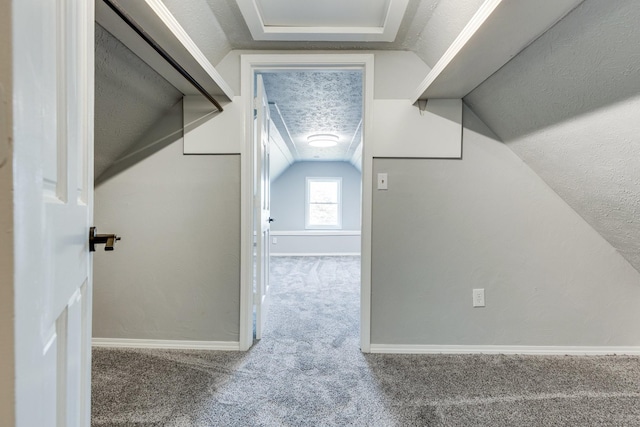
(274, 240)
(478, 298)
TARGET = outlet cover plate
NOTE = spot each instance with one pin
(478, 298)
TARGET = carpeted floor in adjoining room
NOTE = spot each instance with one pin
(308, 371)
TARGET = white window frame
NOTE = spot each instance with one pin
(307, 224)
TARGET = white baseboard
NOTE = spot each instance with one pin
(166, 344)
(505, 349)
(317, 254)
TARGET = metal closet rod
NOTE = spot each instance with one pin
(146, 37)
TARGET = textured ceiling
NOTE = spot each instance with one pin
(311, 102)
(132, 96)
(568, 105)
(202, 26)
(129, 98)
(428, 28)
(436, 25)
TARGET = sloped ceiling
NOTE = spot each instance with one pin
(428, 28)
(569, 105)
(202, 26)
(129, 98)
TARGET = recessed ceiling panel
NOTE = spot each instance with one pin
(327, 20)
(326, 13)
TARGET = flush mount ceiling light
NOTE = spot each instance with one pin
(323, 140)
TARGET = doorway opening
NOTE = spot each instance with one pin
(308, 125)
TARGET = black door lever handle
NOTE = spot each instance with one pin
(109, 240)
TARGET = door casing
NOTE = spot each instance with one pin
(250, 64)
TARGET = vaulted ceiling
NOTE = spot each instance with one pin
(217, 26)
(427, 28)
(566, 105)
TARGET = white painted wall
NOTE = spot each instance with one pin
(175, 275)
(7, 390)
(288, 199)
(487, 221)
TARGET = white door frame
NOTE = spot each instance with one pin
(250, 64)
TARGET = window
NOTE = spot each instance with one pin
(324, 203)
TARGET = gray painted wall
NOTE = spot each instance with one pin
(445, 227)
(442, 228)
(176, 272)
(288, 194)
(568, 106)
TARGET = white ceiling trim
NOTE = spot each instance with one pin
(496, 33)
(386, 33)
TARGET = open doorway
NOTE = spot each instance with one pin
(308, 170)
(316, 121)
(316, 161)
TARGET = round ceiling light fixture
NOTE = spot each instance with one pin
(323, 140)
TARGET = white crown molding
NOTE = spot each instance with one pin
(505, 349)
(387, 33)
(165, 344)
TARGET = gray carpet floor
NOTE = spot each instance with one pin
(308, 371)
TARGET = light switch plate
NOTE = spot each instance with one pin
(382, 181)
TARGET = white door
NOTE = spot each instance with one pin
(53, 130)
(262, 209)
